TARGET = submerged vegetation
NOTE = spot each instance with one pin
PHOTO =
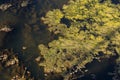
(10, 65)
(93, 31)
(57, 42)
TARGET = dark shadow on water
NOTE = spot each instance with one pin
(25, 34)
(99, 69)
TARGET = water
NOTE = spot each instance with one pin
(100, 70)
(28, 32)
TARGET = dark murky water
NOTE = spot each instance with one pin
(27, 31)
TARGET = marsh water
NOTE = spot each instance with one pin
(28, 32)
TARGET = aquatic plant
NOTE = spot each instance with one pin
(93, 31)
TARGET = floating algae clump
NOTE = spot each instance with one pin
(93, 30)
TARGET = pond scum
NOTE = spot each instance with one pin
(59, 40)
